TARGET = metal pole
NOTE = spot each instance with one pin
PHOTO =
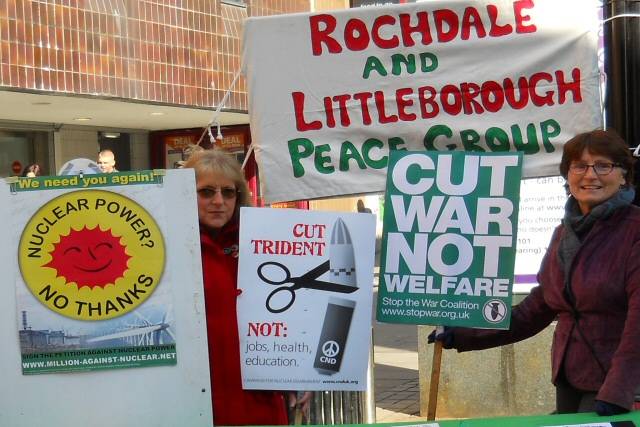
(622, 66)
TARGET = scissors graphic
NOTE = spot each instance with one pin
(307, 281)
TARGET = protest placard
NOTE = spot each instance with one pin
(449, 238)
(304, 314)
(355, 85)
(103, 272)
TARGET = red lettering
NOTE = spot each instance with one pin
(382, 43)
(256, 243)
(297, 232)
(540, 100)
(492, 96)
(342, 106)
(573, 87)
(356, 36)
(448, 17)
(266, 329)
(267, 247)
(298, 108)
(521, 19)
(496, 29)
(364, 98)
(297, 248)
(382, 115)
(404, 103)
(320, 36)
(471, 18)
(328, 111)
(510, 93)
(451, 108)
(422, 27)
(428, 105)
(469, 92)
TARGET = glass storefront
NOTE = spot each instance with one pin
(19, 149)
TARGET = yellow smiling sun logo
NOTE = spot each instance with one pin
(91, 255)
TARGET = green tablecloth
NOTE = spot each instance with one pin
(531, 421)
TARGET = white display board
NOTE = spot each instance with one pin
(151, 396)
(542, 203)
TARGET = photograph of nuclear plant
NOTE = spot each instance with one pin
(43, 331)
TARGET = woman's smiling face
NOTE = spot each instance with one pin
(590, 189)
(215, 210)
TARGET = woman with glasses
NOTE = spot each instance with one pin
(589, 281)
(221, 191)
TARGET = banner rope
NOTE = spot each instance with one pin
(214, 118)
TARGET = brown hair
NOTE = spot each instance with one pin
(218, 161)
(605, 143)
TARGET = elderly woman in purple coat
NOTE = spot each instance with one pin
(589, 281)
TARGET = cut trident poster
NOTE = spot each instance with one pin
(91, 255)
(304, 311)
(449, 239)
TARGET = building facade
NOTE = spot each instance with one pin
(78, 76)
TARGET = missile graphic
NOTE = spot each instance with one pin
(342, 262)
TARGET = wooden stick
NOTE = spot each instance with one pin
(435, 377)
(298, 417)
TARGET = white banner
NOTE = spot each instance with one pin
(330, 94)
(304, 314)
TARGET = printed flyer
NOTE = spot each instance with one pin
(449, 239)
(304, 314)
(541, 210)
(91, 255)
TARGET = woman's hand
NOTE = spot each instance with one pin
(607, 409)
(446, 337)
(303, 403)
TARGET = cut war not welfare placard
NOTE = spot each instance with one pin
(449, 238)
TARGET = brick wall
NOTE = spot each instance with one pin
(167, 51)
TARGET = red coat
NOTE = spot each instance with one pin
(606, 285)
(231, 404)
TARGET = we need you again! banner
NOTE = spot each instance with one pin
(354, 85)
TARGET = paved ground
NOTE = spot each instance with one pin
(397, 394)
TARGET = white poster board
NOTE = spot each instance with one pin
(150, 396)
(353, 85)
(542, 203)
(304, 314)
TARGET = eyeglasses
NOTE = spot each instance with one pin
(227, 193)
(600, 168)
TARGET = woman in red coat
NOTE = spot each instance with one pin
(589, 281)
(222, 190)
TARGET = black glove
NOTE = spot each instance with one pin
(446, 337)
(606, 408)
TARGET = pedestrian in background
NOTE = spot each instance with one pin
(107, 161)
(589, 281)
(361, 208)
(221, 191)
(31, 171)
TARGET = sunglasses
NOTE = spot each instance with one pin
(227, 193)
